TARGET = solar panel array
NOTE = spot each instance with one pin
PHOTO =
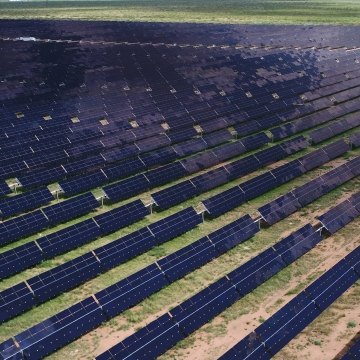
(303, 195)
(235, 196)
(118, 109)
(164, 332)
(285, 324)
(353, 353)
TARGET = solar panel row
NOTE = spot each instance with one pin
(118, 297)
(235, 196)
(66, 276)
(28, 224)
(353, 353)
(340, 215)
(355, 140)
(71, 237)
(167, 330)
(24, 202)
(272, 335)
(187, 189)
(303, 195)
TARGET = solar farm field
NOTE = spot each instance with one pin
(179, 191)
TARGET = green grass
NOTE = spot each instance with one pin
(209, 11)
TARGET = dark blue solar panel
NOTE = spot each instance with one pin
(19, 258)
(314, 159)
(159, 157)
(353, 353)
(225, 201)
(124, 169)
(199, 162)
(298, 243)
(289, 171)
(122, 216)
(354, 165)
(24, 202)
(217, 137)
(83, 183)
(175, 194)
(336, 149)
(355, 140)
(4, 188)
(145, 344)
(127, 188)
(243, 166)
(61, 329)
(125, 248)
(130, 291)
(175, 225)
(294, 145)
(279, 209)
(69, 238)
(234, 233)
(258, 185)
(15, 300)
(165, 174)
(43, 177)
(202, 307)
(255, 141)
(181, 135)
(21, 226)
(190, 147)
(69, 209)
(187, 259)
(337, 217)
(270, 155)
(228, 151)
(64, 277)
(210, 179)
(307, 193)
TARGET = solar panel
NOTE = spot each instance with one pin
(120, 217)
(353, 353)
(82, 183)
(124, 169)
(127, 188)
(228, 151)
(69, 209)
(61, 329)
(314, 159)
(69, 238)
(4, 188)
(234, 233)
(125, 248)
(307, 193)
(258, 185)
(42, 177)
(190, 147)
(24, 202)
(175, 225)
(242, 167)
(165, 174)
(175, 194)
(355, 140)
(130, 291)
(270, 155)
(187, 259)
(279, 208)
(19, 258)
(294, 145)
(210, 179)
(338, 216)
(217, 137)
(199, 162)
(21, 226)
(64, 277)
(255, 141)
(159, 157)
(203, 306)
(144, 344)
(14, 301)
(336, 149)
